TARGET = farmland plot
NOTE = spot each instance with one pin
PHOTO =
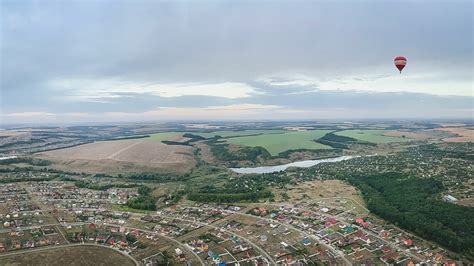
(124, 155)
(277, 143)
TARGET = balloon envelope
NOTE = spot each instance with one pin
(400, 62)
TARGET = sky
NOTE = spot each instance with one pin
(132, 61)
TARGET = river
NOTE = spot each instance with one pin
(283, 167)
(8, 157)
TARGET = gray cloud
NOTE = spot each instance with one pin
(236, 41)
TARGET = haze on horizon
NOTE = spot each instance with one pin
(124, 61)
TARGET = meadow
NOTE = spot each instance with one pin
(277, 143)
(373, 136)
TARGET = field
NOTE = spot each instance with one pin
(416, 135)
(373, 136)
(277, 143)
(317, 190)
(75, 255)
(463, 134)
(165, 136)
(125, 156)
(228, 133)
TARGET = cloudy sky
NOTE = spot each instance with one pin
(94, 61)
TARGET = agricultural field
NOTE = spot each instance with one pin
(128, 155)
(277, 143)
(75, 255)
(462, 134)
(229, 133)
(373, 136)
(415, 135)
(165, 136)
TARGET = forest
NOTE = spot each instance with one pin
(210, 193)
(412, 204)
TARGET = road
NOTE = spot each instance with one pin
(332, 249)
(13, 253)
(127, 227)
(341, 220)
(268, 256)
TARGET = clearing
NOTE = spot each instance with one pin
(276, 143)
(369, 135)
(72, 255)
(322, 190)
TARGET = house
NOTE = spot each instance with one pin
(181, 257)
(306, 242)
(361, 222)
(438, 258)
(450, 263)
(100, 239)
(408, 242)
(365, 238)
(450, 199)
(386, 249)
(358, 255)
(391, 257)
(348, 229)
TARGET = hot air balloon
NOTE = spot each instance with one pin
(400, 62)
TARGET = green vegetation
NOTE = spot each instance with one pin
(453, 150)
(97, 186)
(340, 142)
(277, 143)
(192, 138)
(411, 203)
(155, 177)
(24, 179)
(221, 151)
(212, 194)
(252, 188)
(27, 160)
(144, 201)
(369, 135)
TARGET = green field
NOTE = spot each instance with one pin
(228, 133)
(277, 143)
(373, 136)
(164, 136)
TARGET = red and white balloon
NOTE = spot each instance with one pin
(400, 62)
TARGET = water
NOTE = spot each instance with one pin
(283, 167)
(8, 157)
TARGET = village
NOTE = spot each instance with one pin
(38, 215)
